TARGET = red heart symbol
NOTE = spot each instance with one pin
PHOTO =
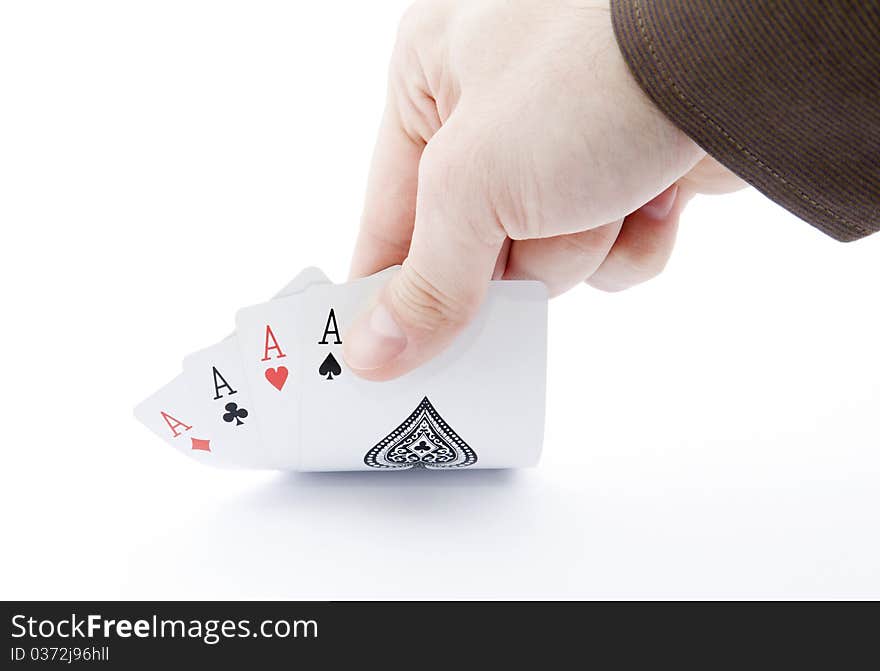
(277, 376)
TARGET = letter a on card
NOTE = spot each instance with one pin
(170, 413)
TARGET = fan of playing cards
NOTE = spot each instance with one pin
(277, 394)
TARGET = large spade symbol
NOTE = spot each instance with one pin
(424, 440)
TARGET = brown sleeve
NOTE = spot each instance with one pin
(785, 93)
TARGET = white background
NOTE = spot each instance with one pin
(711, 434)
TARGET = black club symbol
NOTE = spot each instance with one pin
(422, 446)
(234, 414)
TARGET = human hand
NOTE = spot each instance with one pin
(515, 144)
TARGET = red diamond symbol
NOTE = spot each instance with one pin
(199, 444)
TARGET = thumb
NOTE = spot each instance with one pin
(442, 282)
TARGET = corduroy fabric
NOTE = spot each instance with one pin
(784, 93)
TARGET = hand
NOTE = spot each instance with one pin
(514, 144)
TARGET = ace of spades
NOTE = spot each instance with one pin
(480, 404)
(330, 365)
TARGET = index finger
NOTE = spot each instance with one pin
(390, 202)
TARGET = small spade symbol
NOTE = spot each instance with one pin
(330, 367)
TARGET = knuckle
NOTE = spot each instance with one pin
(643, 263)
(436, 170)
(406, 73)
(422, 305)
(373, 233)
(632, 263)
(521, 225)
(587, 245)
(416, 20)
(455, 179)
(409, 22)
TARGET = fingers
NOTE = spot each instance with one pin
(390, 203)
(442, 282)
(563, 261)
(625, 252)
(644, 244)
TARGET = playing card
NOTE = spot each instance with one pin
(306, 278)
(268, 342)
(479, 404)
(170, 414)
(216, 380)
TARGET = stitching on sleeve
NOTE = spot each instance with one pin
(742, 149)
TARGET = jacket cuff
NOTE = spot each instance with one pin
(784, 94)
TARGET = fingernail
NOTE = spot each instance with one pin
(660, 207)
(375, 340)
